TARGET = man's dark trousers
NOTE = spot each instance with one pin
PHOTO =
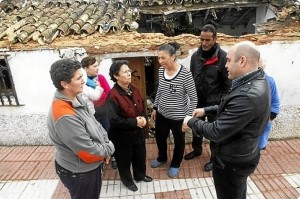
(197, 141)
(230, 179)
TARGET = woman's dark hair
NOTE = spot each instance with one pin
(115, 68)
(63, 70)
(87, 61)
(170, 48)
(209, 28)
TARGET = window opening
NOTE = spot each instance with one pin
(8, 95)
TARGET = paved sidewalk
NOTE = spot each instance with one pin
(28, 172)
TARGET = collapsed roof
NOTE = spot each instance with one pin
(136, 25)
(173, 17)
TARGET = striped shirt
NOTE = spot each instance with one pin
(176, 97)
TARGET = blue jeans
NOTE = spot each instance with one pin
(263, 138)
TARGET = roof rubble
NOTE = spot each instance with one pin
(110, 26)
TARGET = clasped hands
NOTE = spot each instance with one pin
(141, 121)
(199, 112)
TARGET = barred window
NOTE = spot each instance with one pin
(8, 95)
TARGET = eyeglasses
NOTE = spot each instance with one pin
(126, 71)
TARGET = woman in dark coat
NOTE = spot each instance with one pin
(127, 118)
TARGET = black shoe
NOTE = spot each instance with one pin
(208, 166)
(146, 179)
(114, 164)
(192, 155)
(132, 187)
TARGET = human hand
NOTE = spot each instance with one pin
(185, 127)
(144, 121)
(106, 160)
(198, 112)
(141, 121)
(153, 115)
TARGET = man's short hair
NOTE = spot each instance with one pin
(209, 28)
(248, 49)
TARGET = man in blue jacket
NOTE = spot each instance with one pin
(275, 107)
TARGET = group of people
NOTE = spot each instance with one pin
(89, 123)
(225, 98)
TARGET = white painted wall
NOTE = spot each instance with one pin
(30, 70)
(283, 64)
(104, 70)
(282, 60)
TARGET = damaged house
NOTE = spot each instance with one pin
(35, 33)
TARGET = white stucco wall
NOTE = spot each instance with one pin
(30, 70)
(282, 60)
(34, 88)
(283, 64)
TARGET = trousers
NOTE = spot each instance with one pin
(263, 139)
(197, 140)
(81, 185)
(162, 129)
(131, 153)
(231, 178)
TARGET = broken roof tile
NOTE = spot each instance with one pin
(96, 24)
(43, 21)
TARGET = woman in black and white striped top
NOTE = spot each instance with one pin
(175, 98)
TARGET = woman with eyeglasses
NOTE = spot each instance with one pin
(127, 118)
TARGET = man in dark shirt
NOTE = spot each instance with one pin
(210, 76)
